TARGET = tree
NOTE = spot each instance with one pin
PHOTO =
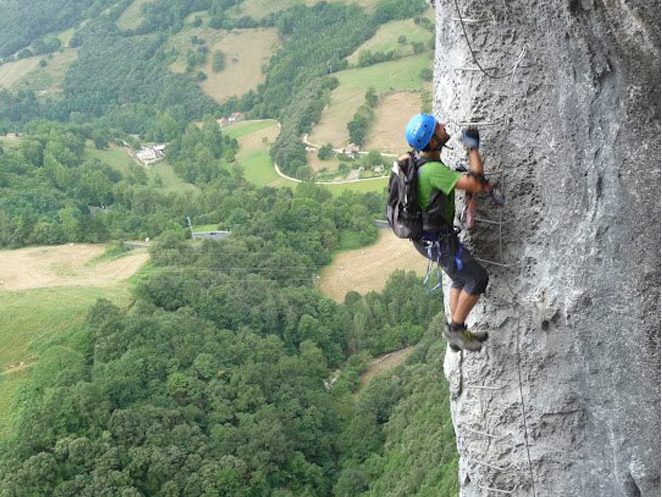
(374, 158)
(325, 152)
(426, 74)
(218, 61)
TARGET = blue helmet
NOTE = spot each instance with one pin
(419, 130)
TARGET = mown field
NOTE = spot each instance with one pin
(13, 72)
(367, 269)
(387, 133)
(27, 74)
(255, 138)
(392, 76)
(35, 320)
(387, 36)
(132, 16)
(246, 51)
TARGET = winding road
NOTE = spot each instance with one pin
(305, 141)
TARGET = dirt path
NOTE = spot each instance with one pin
(65, 265)
(384, 363)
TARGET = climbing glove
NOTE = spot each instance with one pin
(471, 138)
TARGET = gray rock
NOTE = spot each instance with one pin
(565, 398)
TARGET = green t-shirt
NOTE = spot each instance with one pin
(436, 176)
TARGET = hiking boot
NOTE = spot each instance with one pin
(480, 335)
(458, 337)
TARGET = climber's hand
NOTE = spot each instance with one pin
(471, 138)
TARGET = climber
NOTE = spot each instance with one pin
(439, 241)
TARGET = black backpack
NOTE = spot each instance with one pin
(403, 213)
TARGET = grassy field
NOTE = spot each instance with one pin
(386, 39)
(243, 128)
(27, 74)
(246, 52)
(13, 72)
(375, 185)
(391, 117)
(161, 174)
(164, 176)
(400, 74)
(132, 16)
(396, 75)
(34, 320)
(115, 156)
(255, 138)
(65, 36)
(368, 268)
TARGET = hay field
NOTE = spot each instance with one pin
(246, 52)
(392, 115)
(332, 127)
(367, 269)
(27, 74)
(397, 75)
(386, 39)
(65, 265)
(13, 72)
(45, 293)
(132, 16)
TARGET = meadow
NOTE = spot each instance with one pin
(392, 76)
(161, 174)
(38, 319)
(246, 52)
(386, 39)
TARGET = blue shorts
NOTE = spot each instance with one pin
(458, 263)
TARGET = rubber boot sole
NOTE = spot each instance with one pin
(456, 347)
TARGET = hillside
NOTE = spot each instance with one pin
(392, 76)
(245, 54)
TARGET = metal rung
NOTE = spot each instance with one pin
(469, 21)
(488, 435)
(487, 221)
(485, 387)
(487, 261)
(497, 490)
(491, 465)
(478, 69)
(480, 123)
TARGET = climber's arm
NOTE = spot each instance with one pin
(473, 182)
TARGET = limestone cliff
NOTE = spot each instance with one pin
(565, 399)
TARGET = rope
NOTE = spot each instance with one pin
(515, 300)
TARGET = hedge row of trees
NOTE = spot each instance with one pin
(359, 126)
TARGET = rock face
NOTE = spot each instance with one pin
(565, 398)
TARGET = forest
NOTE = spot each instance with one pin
(215, 379)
